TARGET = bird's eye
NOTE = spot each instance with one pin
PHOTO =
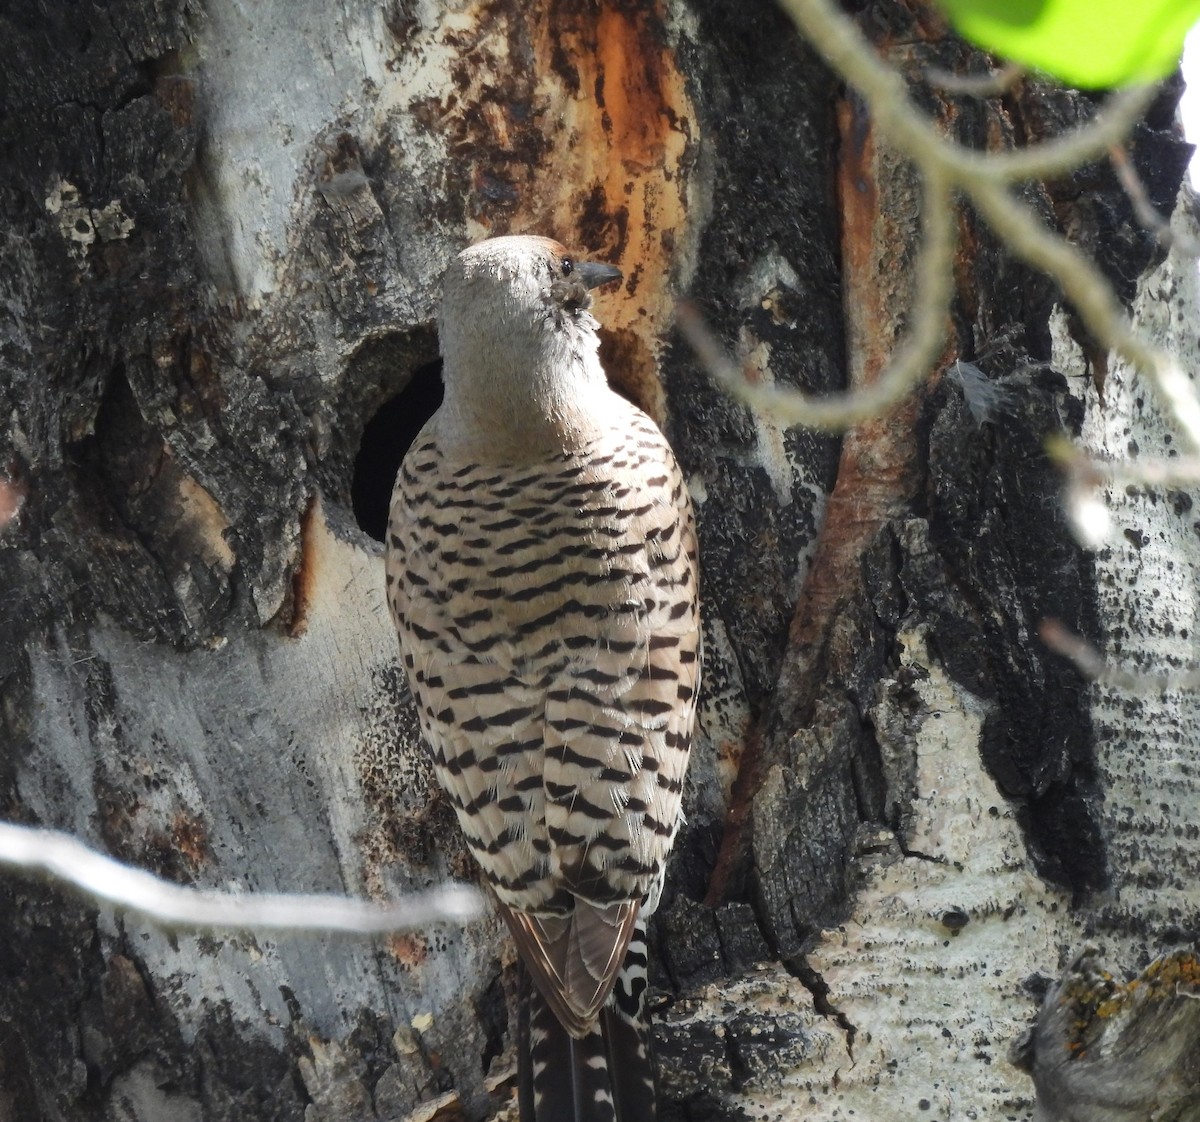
(567, 266)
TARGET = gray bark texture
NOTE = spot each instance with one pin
(222, 225)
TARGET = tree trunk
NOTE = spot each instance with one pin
(223, 227)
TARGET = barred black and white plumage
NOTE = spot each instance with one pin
(542, 575)
(605, 1076)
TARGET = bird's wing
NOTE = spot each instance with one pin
(619, 717)
(549, 624)
(574, 959)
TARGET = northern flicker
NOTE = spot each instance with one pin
(542, 576)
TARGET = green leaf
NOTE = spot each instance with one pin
(1086, 43)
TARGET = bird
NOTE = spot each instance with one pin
(542, 575)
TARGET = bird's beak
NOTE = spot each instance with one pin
(595, 273)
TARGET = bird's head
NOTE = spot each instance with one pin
(526, 296)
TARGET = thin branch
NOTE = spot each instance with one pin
(1092, 297)
(1111, 125)
(847, 50)
(62, 859)
(945, 164)
(1090, 472)
(985, 177)
(1143, 208)
(1092, 664)
(909, 365)
(993, 84)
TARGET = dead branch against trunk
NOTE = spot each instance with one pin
(1110, 1050)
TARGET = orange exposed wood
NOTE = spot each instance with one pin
(878, 471)
(304, 579)
(408, 950)
(572, 120)
(189, 838)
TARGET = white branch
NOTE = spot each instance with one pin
(847, 50)
(911, 362)
(61, 858)
(1092, 297)
(986, 178)
(1150, 219)
(1092, 664)
(993, 84)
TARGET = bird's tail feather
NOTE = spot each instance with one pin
(606, 1076)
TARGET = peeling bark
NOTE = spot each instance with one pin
(223, 227)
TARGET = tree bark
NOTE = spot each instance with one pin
(223, 227)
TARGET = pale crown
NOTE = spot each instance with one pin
(519, 344)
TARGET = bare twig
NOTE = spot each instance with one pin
(1093, 299)
(1092, 664)
(1179, 471)
(848, 52)
(911, 362)
(1143, 208)
(993, 84)
(985, 178)
(65, 860)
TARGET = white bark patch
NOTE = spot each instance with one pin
(770, 449)
(1148, 576)
(137, 1095)
(79, 224)
(181, 736)
(761, 284)
(928, 968)
(272, 74)
(724, 715)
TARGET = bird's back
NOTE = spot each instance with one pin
(548, 620)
